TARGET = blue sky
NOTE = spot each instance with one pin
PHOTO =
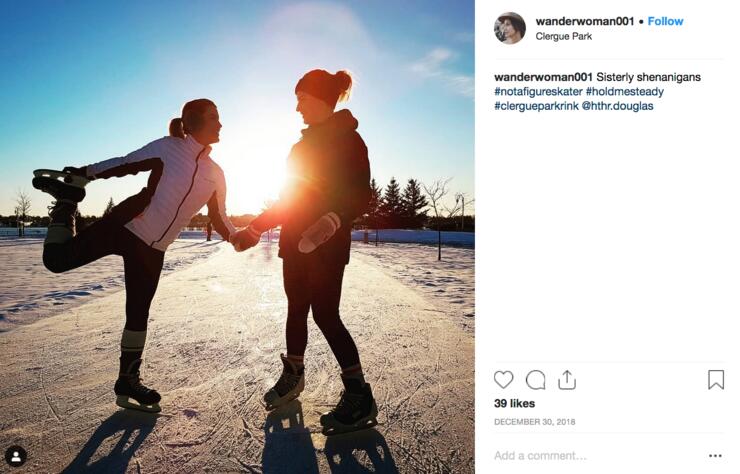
(87, 81)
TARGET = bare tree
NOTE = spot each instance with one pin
(23, 207)
(436, 191)
(452, 211)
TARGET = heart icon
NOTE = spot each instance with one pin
(503, 379)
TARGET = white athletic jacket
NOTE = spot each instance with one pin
(183, 178)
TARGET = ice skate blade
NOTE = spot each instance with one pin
(62, 186)
(337, 429)
(67, 178)
(123, 402)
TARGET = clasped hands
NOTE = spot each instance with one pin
(318, 233)
(245, 238)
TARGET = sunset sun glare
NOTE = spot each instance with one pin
(253, 158)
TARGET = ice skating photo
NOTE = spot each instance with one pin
(238, 237)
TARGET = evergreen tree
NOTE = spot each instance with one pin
(391, 207)
(373, 207)
(414, 203)
(109, 207)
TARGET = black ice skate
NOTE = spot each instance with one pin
(288, 387)
(129, 386)
(356, 410)
(61, 185)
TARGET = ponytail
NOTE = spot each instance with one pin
(343, 80)
(176, 129)
(191, 118)
(331, 88)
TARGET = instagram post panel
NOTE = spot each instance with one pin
(349, 236)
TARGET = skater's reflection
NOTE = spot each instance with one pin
(288, 445)
(135, 426)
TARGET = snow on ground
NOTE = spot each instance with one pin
(31, 292)
(216, 330)
(28, 291)
(449, 283)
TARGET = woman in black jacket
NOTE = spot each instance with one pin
(327, 189)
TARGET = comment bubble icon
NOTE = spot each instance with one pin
(536, 380)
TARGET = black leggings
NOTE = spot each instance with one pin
(142, 264)
(313, 284)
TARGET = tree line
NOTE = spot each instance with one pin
(416, 206)
(410, 207)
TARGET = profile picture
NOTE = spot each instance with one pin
(510, 28)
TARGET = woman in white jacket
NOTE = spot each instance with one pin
(182, 179)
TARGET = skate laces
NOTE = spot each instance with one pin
(348, 403)
(55, 208)
(135, 383)
(58, 205)
(286, 382)
(50, 209)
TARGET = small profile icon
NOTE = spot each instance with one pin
(510, 28)
(15, 456)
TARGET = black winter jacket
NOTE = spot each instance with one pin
(328, 171)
